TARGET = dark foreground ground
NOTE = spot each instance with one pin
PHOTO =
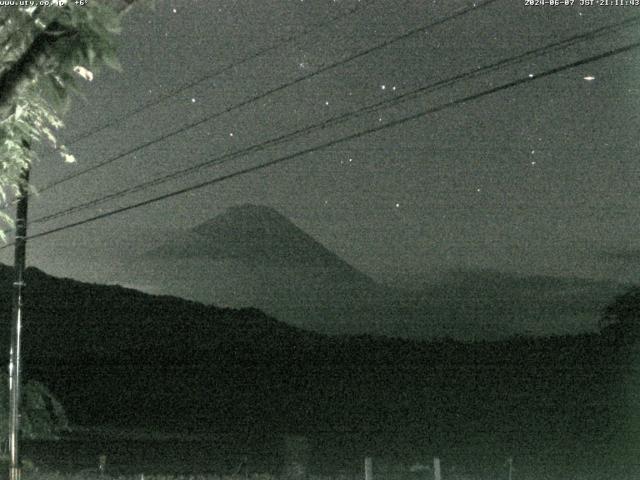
(325, 457)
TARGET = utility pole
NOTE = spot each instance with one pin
(14, 353)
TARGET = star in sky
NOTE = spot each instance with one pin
(446, 139)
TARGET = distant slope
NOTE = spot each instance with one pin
(487, 304)
(253, 256)
(112, 353)
(256, 234)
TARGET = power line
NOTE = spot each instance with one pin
(211, 75)
(341, 118)
(260, 96)
(330, 143)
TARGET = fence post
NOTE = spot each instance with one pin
(436, 469)
(510, 463)
(102, 464)
(368, 468)
(296, 457)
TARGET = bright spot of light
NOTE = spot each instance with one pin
(83, 72)
(589, 78)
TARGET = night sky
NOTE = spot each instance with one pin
(538, 179)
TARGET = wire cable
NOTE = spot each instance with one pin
(338, 119)
(349, 137)
(217, 73)
(260, 96)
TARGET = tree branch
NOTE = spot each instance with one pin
(21, 73)
(27, 67)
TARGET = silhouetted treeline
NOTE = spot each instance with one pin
(120, 357)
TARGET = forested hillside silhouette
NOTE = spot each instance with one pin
(115, 356)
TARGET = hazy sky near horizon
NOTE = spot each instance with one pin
(541, 178)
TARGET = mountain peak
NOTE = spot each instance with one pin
(250, 219)
(257, 233)
(254, 235)
(254, 210)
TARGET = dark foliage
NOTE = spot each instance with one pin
(120, 357)
(620, 320)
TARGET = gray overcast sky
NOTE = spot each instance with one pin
(537, 179)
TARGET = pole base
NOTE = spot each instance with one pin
(15, 473)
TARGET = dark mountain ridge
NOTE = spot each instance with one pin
(256, 234)
(118, 356)
(252, 255)
(115, 356)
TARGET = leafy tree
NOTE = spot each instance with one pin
(43, 50)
